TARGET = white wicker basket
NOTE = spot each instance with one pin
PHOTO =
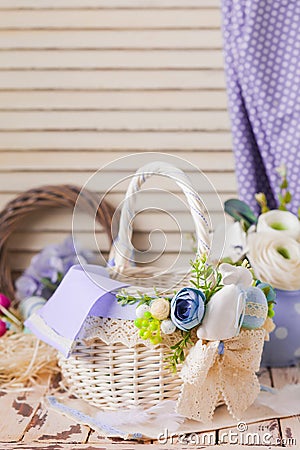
(112, 371)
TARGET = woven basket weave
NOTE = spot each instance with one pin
(116, 375)
(12, 216)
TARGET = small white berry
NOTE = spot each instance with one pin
(140, 310)
(167, 326)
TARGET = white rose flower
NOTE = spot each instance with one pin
(279, 222)
(275, 259)
(160, 308)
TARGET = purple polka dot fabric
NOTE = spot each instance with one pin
(262, 64)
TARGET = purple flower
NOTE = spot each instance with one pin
(26, 286)
(47, 268)
(66, 248)
(46, 265)
(187, 308)
(71, 260)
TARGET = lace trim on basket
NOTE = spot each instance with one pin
(256, 310)
(111, 331)
(208, 377)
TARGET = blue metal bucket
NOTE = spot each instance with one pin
(283, 349)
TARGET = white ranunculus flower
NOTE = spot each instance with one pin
(277, 221)
(275, 259)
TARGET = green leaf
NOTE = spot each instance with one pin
(288, 197)
(240, 211)
(173, 347)
(209, 271)
(266, 290)
(60, 276)
(219, 278)
(178, 355)
(48, 284)
(227, 260)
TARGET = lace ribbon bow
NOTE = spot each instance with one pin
(221, 371)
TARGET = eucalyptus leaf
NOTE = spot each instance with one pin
(240, 211)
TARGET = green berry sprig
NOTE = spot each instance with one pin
(271, 312)
(149, 328)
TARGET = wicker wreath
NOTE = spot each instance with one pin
(11, 217)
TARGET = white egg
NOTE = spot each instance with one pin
(140, 310)
(167, 326)
(30, 305)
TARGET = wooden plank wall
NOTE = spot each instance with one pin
(83, 82)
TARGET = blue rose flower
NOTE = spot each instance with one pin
(187, 308)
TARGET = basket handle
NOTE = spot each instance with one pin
(122, 248)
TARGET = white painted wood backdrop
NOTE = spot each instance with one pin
(83, 82)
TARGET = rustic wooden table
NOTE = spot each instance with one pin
(26, 423)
